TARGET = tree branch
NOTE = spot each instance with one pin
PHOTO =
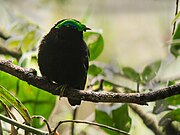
(14, 53)
(147, 119)
(29, 75)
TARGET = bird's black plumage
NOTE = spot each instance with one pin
(63, 56)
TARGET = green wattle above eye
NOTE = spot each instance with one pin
(77, 25)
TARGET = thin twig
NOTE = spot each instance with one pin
(1, 130)
(91, 123)
(138, 86)
(176, 11)
(22, 126)
(74, 118)
(45, 121)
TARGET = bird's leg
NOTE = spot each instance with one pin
(61, 90)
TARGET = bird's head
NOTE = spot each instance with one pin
(71, 23)
(70, 29)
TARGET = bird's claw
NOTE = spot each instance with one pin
(61, 90)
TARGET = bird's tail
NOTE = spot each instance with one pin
(74, 102)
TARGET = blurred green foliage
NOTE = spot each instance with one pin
(6, 95)
(118, 118)
(95, 44)
(25, 37)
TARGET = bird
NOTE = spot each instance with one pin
(63, 56)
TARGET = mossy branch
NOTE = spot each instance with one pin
(29, 75)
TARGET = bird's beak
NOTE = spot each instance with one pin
(87, 29)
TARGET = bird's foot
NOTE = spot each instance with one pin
(61, 90)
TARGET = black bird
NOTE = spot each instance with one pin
(63, 55)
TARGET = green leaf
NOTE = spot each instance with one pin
(175, 48)
(174, 100)
(29, 41)
(94, 70)
(163, 105)
(175, 18)
(8, 81)
(175, 45)
(4, 94)
(95, 44)
(13, 42)
(26, 59)
(37, 101)
(177, 32)
(121, 118)
(103, 118)
(170, 83)
(108, 85)
(171, 116)
(150, 71)
(131, 74)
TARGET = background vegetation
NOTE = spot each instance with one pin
(131, 47)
